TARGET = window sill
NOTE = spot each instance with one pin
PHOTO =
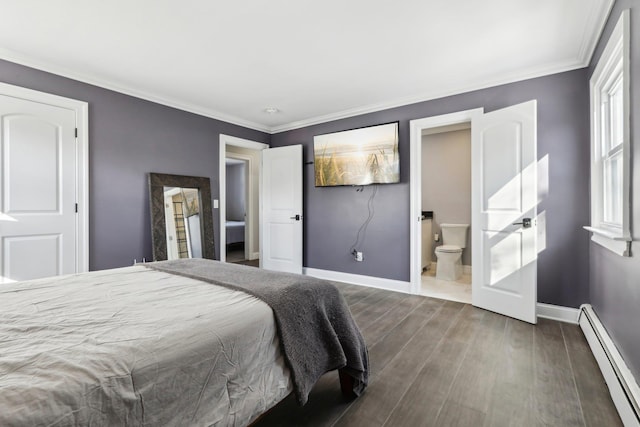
(615, 242)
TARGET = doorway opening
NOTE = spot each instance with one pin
(446, 209)
(240, 200)
(237, 243)
(448, 135)
(504, 199)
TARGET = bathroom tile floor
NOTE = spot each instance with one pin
(459, 290)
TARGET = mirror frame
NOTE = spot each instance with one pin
(157, 182)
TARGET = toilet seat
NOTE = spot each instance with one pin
(449, 249)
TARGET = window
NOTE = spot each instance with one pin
(610, 152)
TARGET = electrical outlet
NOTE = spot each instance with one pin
(359, 256)
(436, 237)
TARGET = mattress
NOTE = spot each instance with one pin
(234, 231)
(135, 346)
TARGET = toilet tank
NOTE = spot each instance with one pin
(454, 234)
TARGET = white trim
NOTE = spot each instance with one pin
(131, 91)
(589, 42)
(428, 96)
(617, 48)
(590, 39)
(415, 185)
(558, 312)
(81, 110)
(623, 387)
(223, 141)
(357, 279)
(617, 244)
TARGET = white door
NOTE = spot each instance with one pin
(504, 192)
(37, 190)
(281, 225)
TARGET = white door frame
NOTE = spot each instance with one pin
(81, 110)
(415, 185)
(243, 143)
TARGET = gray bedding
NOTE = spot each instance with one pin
(135, 346)
(315, 325)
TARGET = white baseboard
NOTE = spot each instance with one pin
(557, 312)
(623, 387)
(357, 279)
(254, 255)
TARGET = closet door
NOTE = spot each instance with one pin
(38, 190)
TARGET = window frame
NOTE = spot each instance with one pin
(612, 66)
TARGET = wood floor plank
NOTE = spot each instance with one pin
(420, 347)
(555, 396)
(383, 351)
(457, 415)
(370, 300)
(371, 314)
(352, 293)
(597, 406)
(426, 396)
(391, 383)
(472, 386)
(511, 401)
(375, 331)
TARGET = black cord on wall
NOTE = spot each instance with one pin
(363, 228)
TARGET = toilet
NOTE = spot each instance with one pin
(449, 255)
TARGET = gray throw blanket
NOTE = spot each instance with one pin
(315, 327)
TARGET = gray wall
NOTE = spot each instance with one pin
(446, 182)
(235, 195)
(614, 280)
(128, 138)
(333, 215)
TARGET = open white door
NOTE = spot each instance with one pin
(504, 192)
(281, 214)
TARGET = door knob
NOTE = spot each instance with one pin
(297, 217)
(526, 223)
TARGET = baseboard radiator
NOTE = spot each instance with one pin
(622, 384)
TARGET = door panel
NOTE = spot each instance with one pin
(32, 257)
(281, 230)
(34, 187)
(38, 190)
(501, 163)
(504, 184)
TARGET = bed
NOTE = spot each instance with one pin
(169, 343)
(234, 232)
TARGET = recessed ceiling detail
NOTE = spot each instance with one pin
(321, 61)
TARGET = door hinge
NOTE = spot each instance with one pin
(76, 132)
(76, 208)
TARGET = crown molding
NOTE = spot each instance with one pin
(596, 22)
(593, 30)
(428, 96)
(14, 57)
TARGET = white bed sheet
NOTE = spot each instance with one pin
(134, 346)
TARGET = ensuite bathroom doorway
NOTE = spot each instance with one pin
(446, 208)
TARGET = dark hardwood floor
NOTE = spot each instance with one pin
(443, 363)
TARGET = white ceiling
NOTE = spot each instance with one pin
(313, 60)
